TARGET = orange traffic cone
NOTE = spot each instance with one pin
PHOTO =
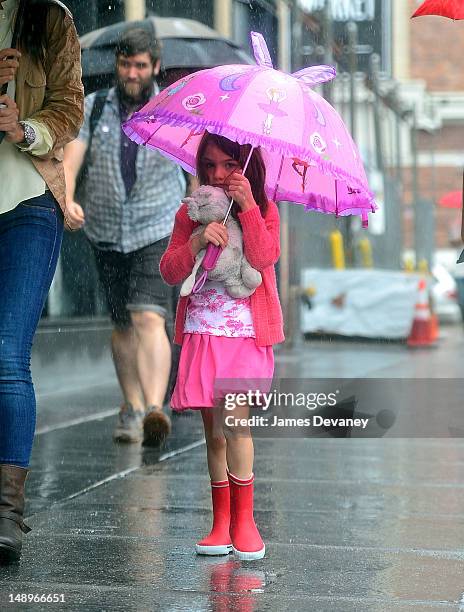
(435, 327)
(422, 331)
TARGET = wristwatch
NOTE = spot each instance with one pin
(29, 134)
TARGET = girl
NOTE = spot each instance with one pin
(227, 338)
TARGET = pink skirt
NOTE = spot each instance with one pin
(211, 366)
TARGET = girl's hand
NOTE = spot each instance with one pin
(214, 232)
(239, 188)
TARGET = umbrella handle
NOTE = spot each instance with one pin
(209, 262)
(211, 256)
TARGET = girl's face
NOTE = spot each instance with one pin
(218, 165)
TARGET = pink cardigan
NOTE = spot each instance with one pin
(261, 241)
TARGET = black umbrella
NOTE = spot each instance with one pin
(187, 45)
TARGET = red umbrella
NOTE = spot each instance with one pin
(452, 199)
(453, 9)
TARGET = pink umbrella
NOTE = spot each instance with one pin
(452, 199)
(310, 156)
(453, 9)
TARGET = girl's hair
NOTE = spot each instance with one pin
(32, 36)
(255, 173)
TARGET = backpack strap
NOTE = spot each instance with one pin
(97, 110)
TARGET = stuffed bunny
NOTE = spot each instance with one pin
(240, 280)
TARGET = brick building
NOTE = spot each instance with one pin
(429, 62)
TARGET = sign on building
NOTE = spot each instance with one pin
(342, 10)
(373, 18)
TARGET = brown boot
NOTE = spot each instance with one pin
(12, 526)
(156, 426)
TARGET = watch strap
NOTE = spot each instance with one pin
(30, 135)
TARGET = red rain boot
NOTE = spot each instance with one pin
(218, 542)
(246, 541)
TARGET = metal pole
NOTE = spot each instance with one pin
(134, 10)
(387, 242)
(352, 30)
(399, 160)
(374, 69)
(415, 191)
(433, 174)
(424, 211)
(396, 213)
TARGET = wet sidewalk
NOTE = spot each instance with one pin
(349, 524)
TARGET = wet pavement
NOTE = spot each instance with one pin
(349, 524)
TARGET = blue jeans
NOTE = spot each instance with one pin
(30, 240)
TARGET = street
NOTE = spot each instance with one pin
(349, 524)
(316, 144)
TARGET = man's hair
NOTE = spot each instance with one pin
(138, 40)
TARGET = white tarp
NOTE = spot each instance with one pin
(366, 303)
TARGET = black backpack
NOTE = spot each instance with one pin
(96, 113)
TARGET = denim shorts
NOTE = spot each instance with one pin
(132, 282)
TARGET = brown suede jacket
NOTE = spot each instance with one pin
(53, 94)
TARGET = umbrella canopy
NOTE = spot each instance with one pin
(186, 44)
(453, 9)
(452, 199)
(310, 156)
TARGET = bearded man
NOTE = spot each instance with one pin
(130, 195)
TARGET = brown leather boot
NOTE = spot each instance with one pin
(156, 426)
(12, 526)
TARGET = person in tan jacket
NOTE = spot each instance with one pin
(40, 112)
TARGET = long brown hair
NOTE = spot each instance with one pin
(255, 173)
(32, 35)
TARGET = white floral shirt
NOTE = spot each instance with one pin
(212, 311)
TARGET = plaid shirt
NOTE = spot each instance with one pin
(115, 220)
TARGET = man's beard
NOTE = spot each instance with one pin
(130, 101)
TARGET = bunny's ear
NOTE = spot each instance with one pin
(260, 50)
(314, 75)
